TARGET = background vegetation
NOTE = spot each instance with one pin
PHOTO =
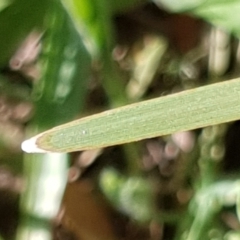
(60, 60)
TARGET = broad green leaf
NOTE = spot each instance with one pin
(201, 107)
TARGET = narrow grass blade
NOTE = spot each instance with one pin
(200, 107)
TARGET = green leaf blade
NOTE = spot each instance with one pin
(192, 109)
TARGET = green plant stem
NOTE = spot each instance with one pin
(203, 217)
(46, 179)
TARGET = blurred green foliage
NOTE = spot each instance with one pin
(16, 22)
(74, 36)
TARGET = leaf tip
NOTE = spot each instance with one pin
(30, 146)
